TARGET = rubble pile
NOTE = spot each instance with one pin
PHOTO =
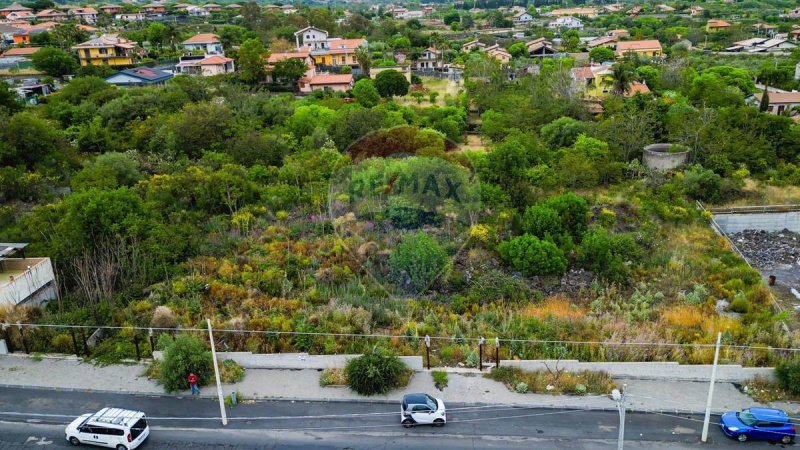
(767, 250)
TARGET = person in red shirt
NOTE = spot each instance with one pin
(193, 383)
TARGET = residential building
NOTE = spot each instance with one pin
(17, 58)
(30, 91)
(108, 49)
(88, 15)
(762, 45)
(288, 9)
(473, 44)
(233, 7)
(430, 59)
(694, 10)
(338, 82)
(208, 43)
(140, 76)
(637, 87)
(794, 14)
(618, 33)
(590, 13)
(212, 7)
(111, 9)
(305, 57)
(398, 13)
(13, 8)
(182, 7)
(566, 22)
(716, 25)
(779, 102)
(634, 12)
(595, 81)
(603, 41)
(205, 66)
(648, 48)
(665, 8)
(795, 35)
(499, 54)
(765, 29)
(540, 48)
(312, 37)
(154, 9)
(130, 17)
(7, 33)
(272, 8)
(613, 8)
(25, 16)
(51, 14)
(24, 281)
(522, 19)
(24, 52)
(197, 11)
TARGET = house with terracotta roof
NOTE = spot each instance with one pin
(233, 7)
(108, 49)
(88, 15)
(13, 8)
(500, 54)
(540, 47)
(111, 9)
(648, 48)
(795, 34)
(602, 41)
(25, 16)
(205, 66)
(24, 52)
(618, 33)
(305, 57)
(637, 87)
(140, 76)
(336, 82)
(716, 25)
(23, 36)
(429, 59)
(208, 43)
(694, 10)
(328, 51)
(779, 102)
(473, 44)
(212, 7)
(51, 14)
(594, 80)
(154, 9)
(590, 13)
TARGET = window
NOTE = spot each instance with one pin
(420, 408)
(138, 428)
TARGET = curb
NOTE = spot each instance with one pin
(630, 409)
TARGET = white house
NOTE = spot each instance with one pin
(566, 22)
(207, 42)
(24, 281)
(197, 11)
(429, 59)
(522, 18)
(130, 17)
(205, 66)
(312, 37)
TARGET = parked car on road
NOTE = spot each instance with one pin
(766, 424)
(121, 429)
(418, 409)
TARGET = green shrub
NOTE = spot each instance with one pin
(439, 379)
(374, 373)
(472, 359)
(186, 354)
(417, 262)
(702, 184)
(740, 304)
(231, 372)
(521, 388)
(788, 373)
(541, 221)
(62, 343)
(532, 256)
(573, 210)
(580, 389)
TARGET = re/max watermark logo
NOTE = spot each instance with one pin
(443, 187)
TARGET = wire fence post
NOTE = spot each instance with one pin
(85, 343)
(497, 352)
(136, 344)
(22, 338)
(216, 374)
(152, 341)
(7, 337)
(710, 398)
(75, 342)
(481, 340)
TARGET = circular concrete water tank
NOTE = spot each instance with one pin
(658, 156)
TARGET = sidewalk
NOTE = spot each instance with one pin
(463, 387)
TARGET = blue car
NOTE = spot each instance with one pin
(766, 424)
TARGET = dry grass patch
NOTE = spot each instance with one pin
(554, 382)
(556, 307)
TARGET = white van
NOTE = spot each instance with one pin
(117, 428)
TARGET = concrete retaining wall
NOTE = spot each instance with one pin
(250, 360)
(774, 221)
(672, 371)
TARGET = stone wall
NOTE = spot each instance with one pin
(672, 371)
(767, 221)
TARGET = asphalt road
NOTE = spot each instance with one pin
(35, 418)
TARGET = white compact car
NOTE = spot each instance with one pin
(121, 429)
(418, 409)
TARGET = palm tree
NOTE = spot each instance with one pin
(364, 59)
(623, 77)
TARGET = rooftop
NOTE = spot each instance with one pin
(202, 38)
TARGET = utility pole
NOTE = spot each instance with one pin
(216, 374)
(711, 389)
(619, 397)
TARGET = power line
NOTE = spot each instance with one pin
(403, 336)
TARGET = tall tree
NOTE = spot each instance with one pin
(251, 61)
(623, 77)
(54, 62)
(390, 83)
(764, 105)
(364, 59)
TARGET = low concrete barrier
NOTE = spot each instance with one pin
(250, 360)
(672, 371)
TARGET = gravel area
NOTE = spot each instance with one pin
(768, 250)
